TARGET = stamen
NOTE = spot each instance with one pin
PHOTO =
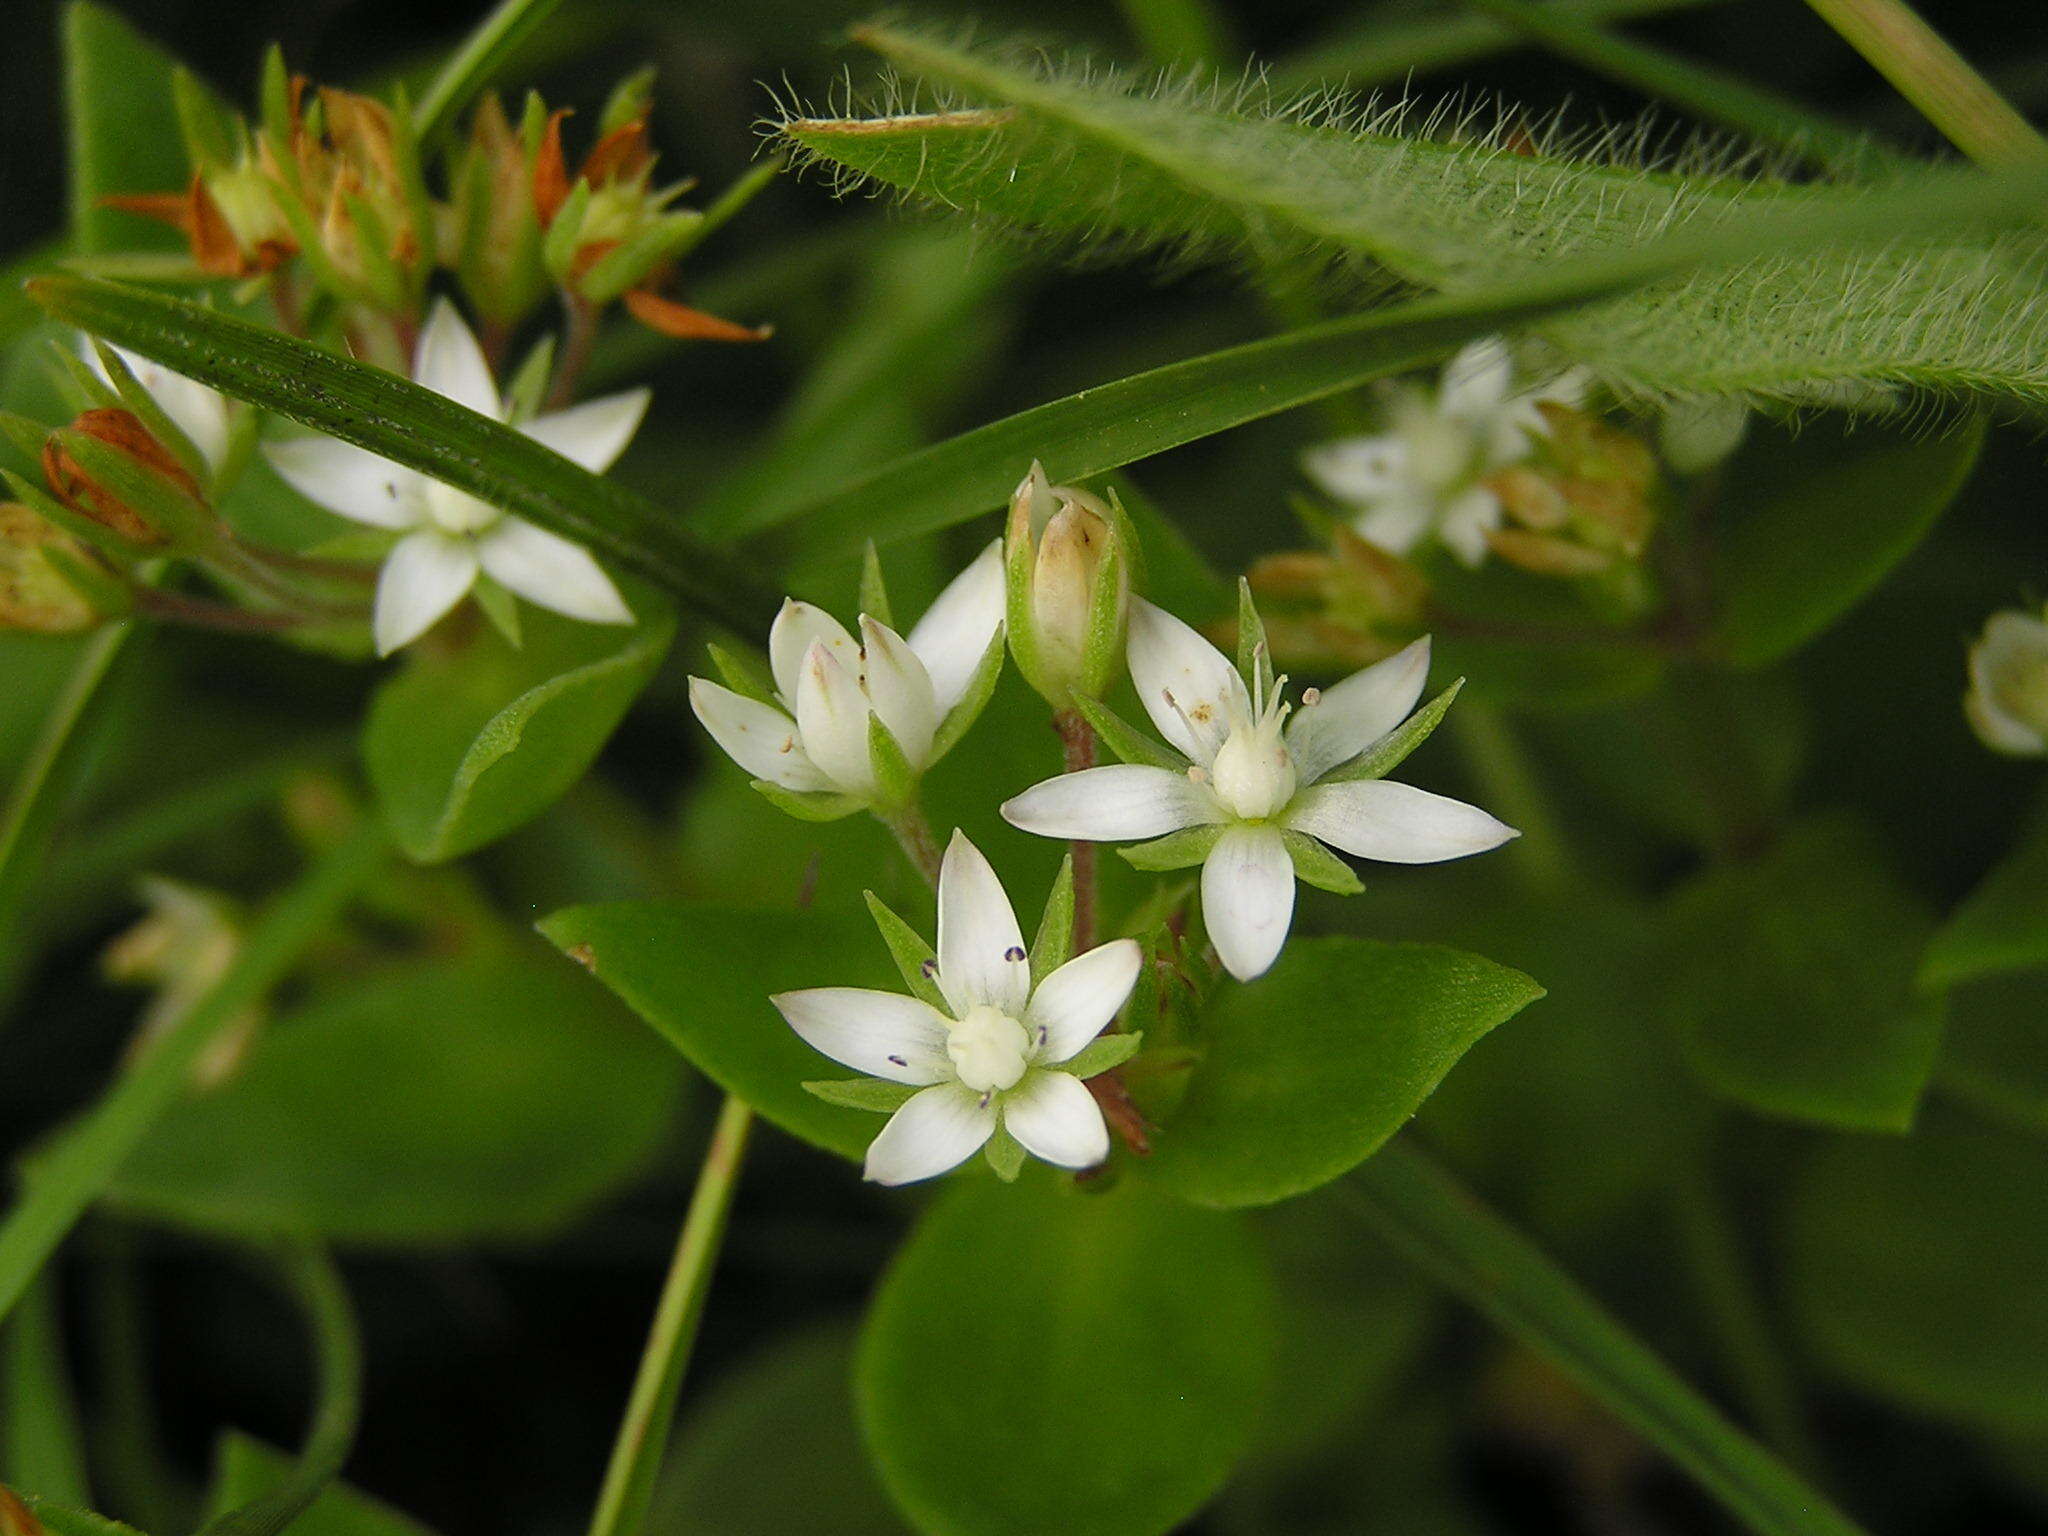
(1014, 953)
(1043, 1032)
(985, 1098)
(1311, 697)
(930, 968)
(1174, 704)
(897, 1060)
(1197, 774)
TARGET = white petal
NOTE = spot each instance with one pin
(1357, 712)
(981, 949)
(594, 433)
(955, 631)
(790, 637)
(550, 571)
(883, 1034)
(1399, 522)
(1118, 803)
(1476, 381)
(1076, 1002)
(1168, 659)
(900, 690)
(350, 480)
(448, 361)
(939, 1129)
(424, 576)
(2000, 731)
(832, 715)
(1467, 521)
(757, 736)
(1359, 469)
(197, 411)
(1395, 823)
(1055, 1116)
(1248, 899)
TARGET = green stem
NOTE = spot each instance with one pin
(1929, 73)
(643, 1432)
(1509, 784)
(1728, 1291)
(1077, 745)
(45, 1443)
(72, 1171)
(1424, 1213)
(48, 779)
(913, 834)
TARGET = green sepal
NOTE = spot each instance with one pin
(629, 100)
(365, 544)
(1315, 865)
(874, 591)
(809, 805)
(80, 387)
(1130, 744)
(104, 591)
(210, 138)
(1109, 612)
(1054, 946)
(141, 404)
(619, 269)
(275, 97)
(871, 1093)
(743, 673)
(1386, 754)
(109, 543)
(500, 607)
(916, 960)
(558, 247)
(1254, 656)
(1020, 555)
(895, 778)
(1102, 1053)
(529, 384)
(1177, 850)
(28, 436)
(381, 273)
(980, 689)
(419, 203)
(1005, 1154)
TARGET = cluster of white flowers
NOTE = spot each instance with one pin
(1425, 477)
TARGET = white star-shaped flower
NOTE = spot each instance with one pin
(204, 415)
(450, 536)
(2007, 704)
(814, 734)
(1258, 786)
(1424, 476)
(1002, 1054)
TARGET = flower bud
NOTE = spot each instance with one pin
(1349, 607)
(1070, 589)
(181, 948)
(2007, 702)
(609, 229)
(139, 490)
(50, 583)
(495, 225)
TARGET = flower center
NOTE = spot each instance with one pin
(457, 512)
(2021, 690)
(989, 1049)
(1253, 775)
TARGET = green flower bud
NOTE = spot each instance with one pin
(1069, 589)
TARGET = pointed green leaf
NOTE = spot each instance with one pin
(916, 960)
(874, 590)
(124, 131)
(1054, 945)
(1103, 1053)
(461, 748)
(1392, 749)
(1315, 865)
(2002, 925)
(477, 63)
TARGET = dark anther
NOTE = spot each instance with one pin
(899, 1061)
(1014, 952)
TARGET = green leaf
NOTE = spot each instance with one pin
(477, 63)
(1176, 850)
(868, 1093)
(1811, 523)
(1442, 1228)
(123, 128)
(788, 1405)
(463, 748)
(338, 1367)
(1102, 1358)
(1103, 1053)
(409, 425)
(1315, 865)
(1392, 749)
(916, 959)
(2001, 925)
(245, 1468)
(1991, 1055)
(575, 1102)
(1919, 1270)
(1251, 180)
(1790, 983)
(1310, 1069)
(83, 1159)
(1130, 744)
(44, 1441)
(702, 976)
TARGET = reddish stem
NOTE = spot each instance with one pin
(1077, 741)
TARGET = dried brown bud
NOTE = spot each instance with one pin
(15, 1519)
(71, 484)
